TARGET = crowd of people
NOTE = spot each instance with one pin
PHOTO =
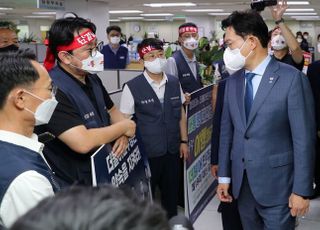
(265, 132)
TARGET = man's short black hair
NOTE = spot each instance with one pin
(94, 208)
(154, 42)
(246, 23)
(62, 31)
(116, 28)
(16, 69)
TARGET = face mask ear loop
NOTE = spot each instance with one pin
(26, 91)
(242, 47)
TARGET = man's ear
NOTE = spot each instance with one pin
(65, 57)
(254, 42)
(17, 97)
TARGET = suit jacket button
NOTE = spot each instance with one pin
(242, 159)
(246, 137)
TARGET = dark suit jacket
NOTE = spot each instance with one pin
(276, 145)
(314, 78)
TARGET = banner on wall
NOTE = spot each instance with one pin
(130, 169)
(199, 183)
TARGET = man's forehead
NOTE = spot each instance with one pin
(7, 32)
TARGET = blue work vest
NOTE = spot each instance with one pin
(16, 160)
(187, 80)
(157, 123)
(115, 61)
(79, 164)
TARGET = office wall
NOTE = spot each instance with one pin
(167, 30)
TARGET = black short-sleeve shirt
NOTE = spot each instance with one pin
(289, 60)
(70, 167)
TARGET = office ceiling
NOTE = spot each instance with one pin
(22, 8)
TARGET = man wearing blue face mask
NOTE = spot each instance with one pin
(155, 101)
(115, 55)
(183, 64)
(268, 130)
(86, 117)
(26, 99)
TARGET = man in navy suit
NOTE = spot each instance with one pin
(267, 130)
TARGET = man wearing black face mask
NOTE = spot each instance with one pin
(8, 37)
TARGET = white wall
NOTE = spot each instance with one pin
(167, 30)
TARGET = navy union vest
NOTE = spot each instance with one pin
(187, 79)
(16, 160)
(157, 124)
(115, 61)
(79, 166)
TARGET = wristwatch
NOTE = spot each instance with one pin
(183, 142)
(279, 21)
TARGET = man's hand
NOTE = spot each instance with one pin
(120, 146)
(214, 171)
(223, 193)
(188, 98)
(298, 205)
(278, 10)
(184, 151)
(130, 126)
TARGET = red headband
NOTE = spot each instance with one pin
(78, 41)
(146, 49)
(190, 29)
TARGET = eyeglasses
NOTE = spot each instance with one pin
(94, 50)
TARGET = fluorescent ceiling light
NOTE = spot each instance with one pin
(306, 18)
(156, 15)
(125, 11)
(203, 10)
(2, 13)
(302, 10)
(114, 20)
(170, 4)
(297, 3)
(45, 13)
(6, 8)
(131, 18)
(154, 19)
(219, 14)
(298, 13)
(38, 16)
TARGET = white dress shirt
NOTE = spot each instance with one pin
(259, 71)
(27, 189)
(127, 101)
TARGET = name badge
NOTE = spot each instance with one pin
(186, 75)
(88, 115)
(147, 101)
(122, 57)
(174, 98)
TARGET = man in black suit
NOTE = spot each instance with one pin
(314, 78)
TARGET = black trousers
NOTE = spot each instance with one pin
(164, 175)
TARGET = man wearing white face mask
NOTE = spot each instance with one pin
(267, 132)
(115, 56)
(183, 64)
(284, 45)
(86, 117)
(155, 101)
(26, 100)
